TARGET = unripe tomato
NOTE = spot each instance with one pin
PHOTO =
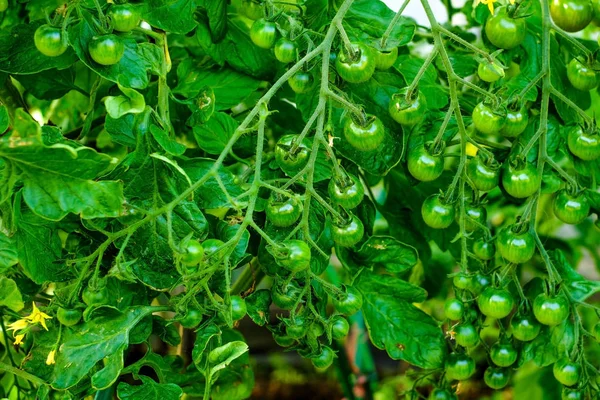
(436, 212)
(459, 367)
(339, 327)
(124, 17)
(288, 162)
(297, 328)
(193, 253)
(517, 248)
(285, 297)
(503, 354)
(192, 318)
(347, 192)
(408, 112)
(283, 212)
(503, 31)
(490, 71)
(365, 137)
(484, 175)
(425, 164)
(571, 394)
(357, 67)
(487, 120)
(349, 233)
(69, 316)
(285, 50)
(349, 302)
(566, 371)
(581, 76)
(550, 310)
(462, 280)
(324, 359)
(106, 49)
(495, 303)
(298, 255)
(484, 250)
(95, 296)
(385, 59)
(454, 309)
(496, 378)
(571, 209)
(466, 335)
(302, 82)
(210, 246)
(515, 123)
(520, 181)
(584, 145)
(476, 216)
(283, 340)
(571, 15)
(480, 283)
(50, 41)
(238, 308)
(263, 33)
(442, 394)
(525, 327)
(252, 9)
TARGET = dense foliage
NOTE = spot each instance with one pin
(321, 167)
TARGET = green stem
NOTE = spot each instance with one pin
(393, 23)
(21, 374)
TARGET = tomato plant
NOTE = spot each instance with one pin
(188, 188)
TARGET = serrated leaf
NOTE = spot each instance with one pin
(8, 253)
(201, 346)
(149, 390)
(258, 304)
(10, 296)
(222, 356)
(387, 252)
(131, 102)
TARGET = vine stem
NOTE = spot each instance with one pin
(393, 23)
(22, 374)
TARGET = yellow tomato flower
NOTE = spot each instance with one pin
(19, 339)
(489, 3)
(50, 358)
(37, 316)
(18, 325)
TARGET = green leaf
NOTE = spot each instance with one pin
(541, 350)
(398, 327)
(50, 84)
(18, 54)
(175, 16)
(167, 332)
(535, 383)
(4, 119)
(8, 253)
(217, 19)
(222, 356)
(169, 144)
(201, 345)
(132, 102)
(388, 253)
(579, 287)
(210, 195)
(10, 296)
(121, 130)
(214, 135)
(435, 95)
(390, 285)
(258, 304)
(149, 390)
(106, 335)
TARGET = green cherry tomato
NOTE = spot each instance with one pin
(357, 67)
(285, 50)
(454, 309)
(283, 340)
(124, 17)
(596, 332)
(339, 327)
(96, 296)
(550, 310)
(495, 303)
(517, 248)
(302, 82)
(252, 9)
(584, 145)
(385, 59)
(324, 359)
(364, 137)
(520, 181)
(480, 283)
(407, 112)
(581, 76)
(297, 257)
(503, 354)
(348, 234)
(566, 371)
(210, 246)
(515, 123)
(297, 328)
(484, 175)
(349, 302)
(476, 216)
(285, 298)
(466, 335)
(441, 394)
(436, 213)
(484, 250)
(513, 70)
(193, 253)
(459, 366)
(68, 316)
(3, 5)
(347, 192)
(571, 209)
(424, 164)
(191, 319)
(486, 120)
(503, 31)
(525, 327)
(496, 378)
(571, 15)
(316, 330)
(50, 41)
(288, 162)
(238, 307)
(263, 33)
(490, 71)
(283, 212)
(106, 49)
(571, 394)
(462, 280)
